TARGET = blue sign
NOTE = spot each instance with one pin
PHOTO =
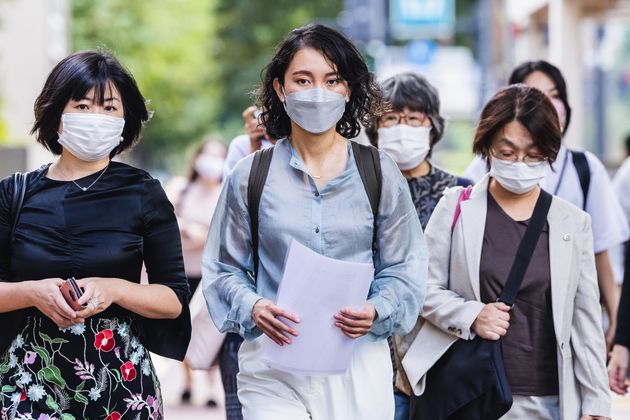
(420, 51)
(422, 18)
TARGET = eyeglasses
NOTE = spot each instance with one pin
(414, 119)
(509, 156)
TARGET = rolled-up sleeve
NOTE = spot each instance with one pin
(229, 290)
(399, 285)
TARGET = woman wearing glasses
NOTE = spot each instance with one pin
(408, 133)
(586, 185)
(552, 341)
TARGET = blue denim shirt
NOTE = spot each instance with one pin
(335, 221)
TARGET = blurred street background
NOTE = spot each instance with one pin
(198, 61)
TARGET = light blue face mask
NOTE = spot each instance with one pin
(315, 110)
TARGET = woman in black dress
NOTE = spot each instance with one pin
(87, 217)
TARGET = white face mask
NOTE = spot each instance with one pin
(315, 110)
(210, 167)
(90, 136)
(407, 145)
(518, 177)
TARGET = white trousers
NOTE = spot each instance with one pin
(534, 408)
(364, 392)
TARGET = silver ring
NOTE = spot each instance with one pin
(93, 302)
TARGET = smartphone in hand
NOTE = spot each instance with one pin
(72, 293)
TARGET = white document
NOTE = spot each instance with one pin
(315, 288)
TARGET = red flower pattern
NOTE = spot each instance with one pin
(128, 371)
(104, 341)
(23, 394)
(114, 416)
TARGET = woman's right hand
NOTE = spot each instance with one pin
(266, 313)
(618, 369)
(493, 321)
(46, 296)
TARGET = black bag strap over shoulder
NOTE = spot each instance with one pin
(17, 200)
(526, 249)
(256, 184)
(584, 173)
(368, 164)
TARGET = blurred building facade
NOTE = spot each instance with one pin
(33, 38)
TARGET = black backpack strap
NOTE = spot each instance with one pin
(17, 200)
(368, 163)
(526, 249)
(256, 184)
(584, 173)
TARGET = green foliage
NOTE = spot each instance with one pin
(196, 60)
(247, 34)
(166, 45)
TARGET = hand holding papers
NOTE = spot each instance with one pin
(315, 288)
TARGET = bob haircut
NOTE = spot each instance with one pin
(71, 79)
(413, 91)
(365, 95)
(520, 73)
(530, 107)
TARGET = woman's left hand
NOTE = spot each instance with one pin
(98, 295)
(356, 323)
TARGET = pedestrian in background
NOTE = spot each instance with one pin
(255, 138)
(315, 92)
(194, 203)
(408, 132)
(552, 343)
(88, 217)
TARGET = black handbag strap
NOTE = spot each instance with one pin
(17, 200)
(256, 184)
(526, 249)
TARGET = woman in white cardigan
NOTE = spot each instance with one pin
(552, 341)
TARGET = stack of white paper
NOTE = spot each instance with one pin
(315, 288)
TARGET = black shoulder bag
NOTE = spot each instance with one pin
(13, 320)
(469, 381)
(368, 163)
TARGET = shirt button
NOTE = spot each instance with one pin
(316, 230)
(317, 194)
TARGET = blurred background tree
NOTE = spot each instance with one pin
(197, 61)
(166, 45)
(247, 34)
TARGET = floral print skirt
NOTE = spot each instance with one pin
(96, 370)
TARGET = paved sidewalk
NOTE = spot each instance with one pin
(171, 379)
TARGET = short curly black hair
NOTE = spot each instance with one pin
(71, 79)
(365, 95)
(413, 91)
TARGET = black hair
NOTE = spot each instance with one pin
(71, 79)
(520, 73)
(413, 91)
(365, 95)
